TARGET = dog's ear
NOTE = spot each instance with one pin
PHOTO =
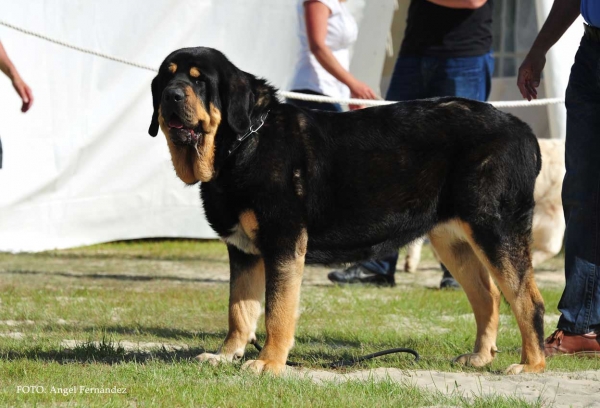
(156, 96)
(239, 102)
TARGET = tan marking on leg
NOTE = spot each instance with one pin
(181, 156)
(244, 307)
(523, 296)
(172, 68)
(194, 72)
(245, 296)
(282, 313)
(249, 224)
(484, 297)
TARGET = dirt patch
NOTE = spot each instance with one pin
(581, 389)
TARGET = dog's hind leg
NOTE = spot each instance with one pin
(246, 291)
(456, 253)
(508, 259)
(284, 267)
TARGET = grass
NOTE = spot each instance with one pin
(134, 314)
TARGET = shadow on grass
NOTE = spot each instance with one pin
(139, 278)
(311, 352)
(109, 351)
(89, 353)
(161, 332)
(136, 257)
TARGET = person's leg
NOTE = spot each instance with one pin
(333, 107)
(467, 77)
(407, 83)
(580, 302)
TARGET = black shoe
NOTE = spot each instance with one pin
(448, 281)
(359, 274)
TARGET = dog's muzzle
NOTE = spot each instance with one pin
(181, 129)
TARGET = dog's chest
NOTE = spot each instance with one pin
(243, 234)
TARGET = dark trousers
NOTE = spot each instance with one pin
(580, 302)
(427, 77)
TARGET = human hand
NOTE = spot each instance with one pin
(529, 74)
(360, 90)
(24, 92)
(356, 107)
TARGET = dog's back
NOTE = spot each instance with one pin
(409, 166)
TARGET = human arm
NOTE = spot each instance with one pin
(562, 14)
(459, 4)
(7, 67)
(316, 15)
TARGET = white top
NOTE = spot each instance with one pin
(341, 34)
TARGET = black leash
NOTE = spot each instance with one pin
(348, 363)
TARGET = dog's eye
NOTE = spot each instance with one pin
(197, 82)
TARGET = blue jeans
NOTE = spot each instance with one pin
(333, 107)
(580, 302)
(427, 77)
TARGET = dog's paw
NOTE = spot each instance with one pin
(514, 369)
(524, 368)
(473, 359)
(264, 366)
(214, 359)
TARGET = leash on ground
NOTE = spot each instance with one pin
(348, 363)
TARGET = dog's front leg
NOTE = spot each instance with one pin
(246, 290)
(283, 270)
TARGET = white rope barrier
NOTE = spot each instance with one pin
(369, 102)
(77, 48)
(284, 94)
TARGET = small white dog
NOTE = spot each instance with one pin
(548, 218)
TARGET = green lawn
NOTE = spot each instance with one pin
(133, 315)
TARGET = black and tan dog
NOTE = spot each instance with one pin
(285, 186)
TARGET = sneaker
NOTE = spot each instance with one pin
(448, 281)
(359, 274)
(564, 343)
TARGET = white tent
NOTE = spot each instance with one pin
(80, 168)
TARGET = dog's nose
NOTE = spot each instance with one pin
(173, 95)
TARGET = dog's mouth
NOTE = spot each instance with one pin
(183, 134)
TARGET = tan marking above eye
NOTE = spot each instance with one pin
(194, 72)
(172, 67)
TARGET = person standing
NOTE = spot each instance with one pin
(327, 31)
(446, 51)
(7, 67)
(579, 324)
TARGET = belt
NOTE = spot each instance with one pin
(591, 33)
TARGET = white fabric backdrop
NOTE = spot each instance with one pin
(80, 168)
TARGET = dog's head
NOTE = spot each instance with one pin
(198, 91)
